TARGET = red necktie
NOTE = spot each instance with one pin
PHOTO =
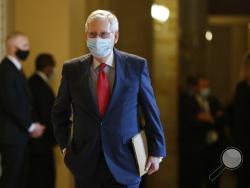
(102, 90)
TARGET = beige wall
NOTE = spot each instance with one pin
(55, 27)
(47, 24)
(225, 53)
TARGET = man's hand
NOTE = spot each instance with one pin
(64, 150)
(38, 130)
(219, 114)
(205, 117)
(153, 164)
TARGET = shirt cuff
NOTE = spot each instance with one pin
(64, 151)
(161, 158)
(32, 127)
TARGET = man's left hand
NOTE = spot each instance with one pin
(153, 164)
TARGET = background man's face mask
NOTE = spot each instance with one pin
(205, 92)
(22, 54)
(51, 76)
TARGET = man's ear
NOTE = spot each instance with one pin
(13, 49)
(116, 36)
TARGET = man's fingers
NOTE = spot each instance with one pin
(148, 165)
(37, 133)
(41, 127)
(152, 164)
(34, 134)
(153, 168)
(151, 171)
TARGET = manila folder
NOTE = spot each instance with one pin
(140, 146)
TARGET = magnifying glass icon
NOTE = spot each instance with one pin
(231, 159)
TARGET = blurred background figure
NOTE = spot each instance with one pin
(15, 114)
(201, 134)
(42, 167)
(241, 126)
(185, 95)
(0, 166)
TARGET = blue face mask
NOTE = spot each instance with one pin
(100, 47)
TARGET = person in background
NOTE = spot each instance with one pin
(16, 121)
(185, 95)
(105, 89)
(42, 167)
(241, 125)
(0, 165)
(203, 117)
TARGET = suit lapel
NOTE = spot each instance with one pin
(23, 79)
(119, 79)
(85, 82)
(89, 99)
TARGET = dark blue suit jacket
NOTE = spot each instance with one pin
(112, 134)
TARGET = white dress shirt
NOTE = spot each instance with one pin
(43, 76)
(15, 61)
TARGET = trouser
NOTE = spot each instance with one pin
(14, 166)
(41, 170)
(243, 176)
(104, 179)
(196, 168)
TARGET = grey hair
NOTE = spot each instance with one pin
(114, 25)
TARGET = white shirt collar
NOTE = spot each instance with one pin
(15, 61)
(43, 76)
(109, 61)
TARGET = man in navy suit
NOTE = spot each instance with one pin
(102, 92)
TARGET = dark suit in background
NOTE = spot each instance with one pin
(241, 129)
(15, 120)
(199, 155)
(42, 167)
